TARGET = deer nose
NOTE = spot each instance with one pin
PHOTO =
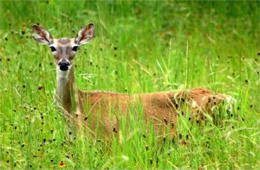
(64, 65)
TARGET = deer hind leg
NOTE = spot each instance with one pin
(218, 106)
(111, 126)
(165, 125)
(173, 126)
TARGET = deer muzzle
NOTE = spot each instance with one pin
(64, 65)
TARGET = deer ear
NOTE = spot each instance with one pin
(85, 34)
(41, 35)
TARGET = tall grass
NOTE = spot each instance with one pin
(140, 46)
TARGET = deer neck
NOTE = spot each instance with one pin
(66, 88)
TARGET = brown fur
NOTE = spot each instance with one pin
(162, 108)
(64, 41)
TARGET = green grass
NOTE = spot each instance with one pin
(140, 46)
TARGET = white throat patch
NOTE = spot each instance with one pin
(62, 80)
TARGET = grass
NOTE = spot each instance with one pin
(140, 46)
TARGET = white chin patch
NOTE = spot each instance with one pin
(62, 74)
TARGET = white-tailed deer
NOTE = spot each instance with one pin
(162, 108)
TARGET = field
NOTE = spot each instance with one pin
(139, 47)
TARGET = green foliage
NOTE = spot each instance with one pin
(140, 46)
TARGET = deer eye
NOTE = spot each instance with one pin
(52, 49)
(75, 48)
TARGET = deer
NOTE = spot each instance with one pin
(160, 108)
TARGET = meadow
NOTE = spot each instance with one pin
(139, 47)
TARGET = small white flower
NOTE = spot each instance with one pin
(125, 158)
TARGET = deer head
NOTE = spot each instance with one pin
(64, 49)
